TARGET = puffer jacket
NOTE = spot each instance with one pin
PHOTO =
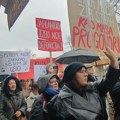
(69, 105)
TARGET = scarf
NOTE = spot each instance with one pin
(50, 91)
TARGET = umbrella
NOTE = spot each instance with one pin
(84, 56)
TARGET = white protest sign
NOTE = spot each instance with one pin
(14, 61)
(39, 70)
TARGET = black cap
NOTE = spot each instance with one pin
(70, 71)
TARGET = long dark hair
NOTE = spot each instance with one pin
(6, 90)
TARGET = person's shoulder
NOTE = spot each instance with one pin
(53, 102)
(19, 93)
(39, 97)
(38, 100)
(63, 94)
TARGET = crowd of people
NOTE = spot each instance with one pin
(79, 95)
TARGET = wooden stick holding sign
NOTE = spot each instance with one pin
(17, 75)
(51, 62)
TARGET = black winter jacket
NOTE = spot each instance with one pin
(69, 105)
(115, 96)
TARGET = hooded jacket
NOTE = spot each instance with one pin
(38, 111)
(10, 103)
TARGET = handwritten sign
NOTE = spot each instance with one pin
(39, 70)
(14, 61)
(93, 25)
(49, 35)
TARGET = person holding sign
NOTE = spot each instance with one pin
(78, 99)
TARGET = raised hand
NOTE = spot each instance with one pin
(112, 57)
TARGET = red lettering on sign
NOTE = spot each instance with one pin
(96, 40)
(116, 44)
(88, 40)
(102, 41)
(87, 33)
(99, 27)
(49, 35)
(110, 31)
(82, 21)
(75, 33)
(49, 46)
(83, 35)
(92, 25)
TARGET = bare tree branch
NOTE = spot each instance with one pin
(115, 4)
(118, 13)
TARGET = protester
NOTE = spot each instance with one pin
(115, 96)
(26, 89)
(79, 100)
(49, 87)
(91, 73)
(12, 102)
(52, 68)
(33, 94)
(93, 78)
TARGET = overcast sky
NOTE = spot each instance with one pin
(23, 34)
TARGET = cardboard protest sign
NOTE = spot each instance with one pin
(14, 61)
(93, 25)
(39, 70)
(49, 35)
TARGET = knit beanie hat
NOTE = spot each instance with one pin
(70, 71)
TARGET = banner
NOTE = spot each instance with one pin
(14, 61)
(33, 62)
(49, 35)
(93, 25)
